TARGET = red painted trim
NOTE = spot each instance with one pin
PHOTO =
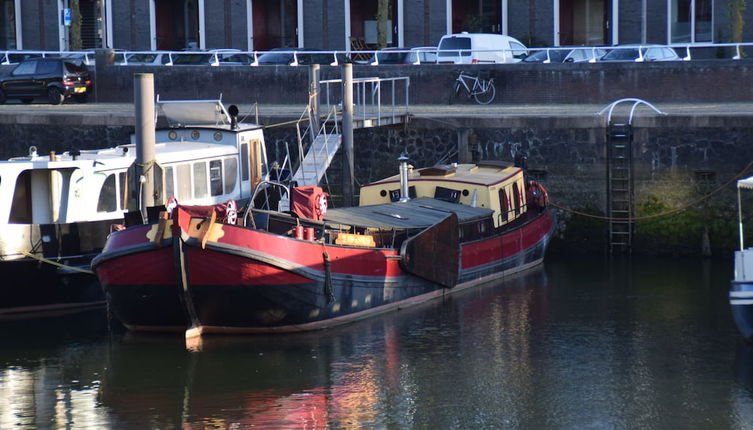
(128, 237)
(500, 247)
(154, 267)
(344, 260)
(209, 267)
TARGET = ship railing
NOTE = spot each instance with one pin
(377, 101)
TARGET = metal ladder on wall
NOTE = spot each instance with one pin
(620, 186)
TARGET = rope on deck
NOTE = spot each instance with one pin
(55, 263)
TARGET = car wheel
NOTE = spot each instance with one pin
(3, 98)
(27, 100)
(81, 98)
(55, 96)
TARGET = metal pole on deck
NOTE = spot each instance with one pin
(348, 175)
(143, 96)
(314, 100)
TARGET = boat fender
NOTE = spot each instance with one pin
(328, 278)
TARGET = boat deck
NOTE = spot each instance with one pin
(415, 213)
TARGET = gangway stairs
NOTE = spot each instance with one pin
(620, 186)
(317, 159)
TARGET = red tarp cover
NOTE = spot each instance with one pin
(309, 202)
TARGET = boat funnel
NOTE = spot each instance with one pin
(404, 191)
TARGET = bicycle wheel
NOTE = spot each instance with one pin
(454, 92)
(485, 97)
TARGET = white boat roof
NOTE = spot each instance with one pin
(745, 183)
(180, 113)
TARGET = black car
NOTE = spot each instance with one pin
(54, 78)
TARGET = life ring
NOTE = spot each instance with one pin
(541, 197)
(321, 205)
(231, 212)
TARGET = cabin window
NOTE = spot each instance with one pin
(199, 180)
(20, 212)
(215, 177)
(447, 194)
(516, 198)
(123, 179)
(169, 185)
(108, 197)
(244, 162)
(184, 182)
(503, 206)
(231, 174)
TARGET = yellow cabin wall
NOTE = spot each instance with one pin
(486, 196)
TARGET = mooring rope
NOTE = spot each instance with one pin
(661, 214)
(55, 263)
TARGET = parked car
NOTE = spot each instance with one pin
(547, 56)
(151, 58)
(563, 54)
(475, 48)
(640, 53)
(299, 56)
(418, 55)
(54, 78)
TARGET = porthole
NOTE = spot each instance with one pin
(172, 135)
(465, 193)
(383, 193)
(195, 134)
(217, 136)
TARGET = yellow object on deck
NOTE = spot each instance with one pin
(355, 240)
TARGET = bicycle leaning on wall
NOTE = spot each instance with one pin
(482, 90)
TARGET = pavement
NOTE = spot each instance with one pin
(123, 113)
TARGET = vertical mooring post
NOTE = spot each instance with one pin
(464, 153)
(143, 96)
(314, 100)
(348, 174)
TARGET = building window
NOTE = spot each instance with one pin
(690, 21)
(8, 25)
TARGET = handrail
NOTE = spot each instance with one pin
(215, 55)
(636, 103)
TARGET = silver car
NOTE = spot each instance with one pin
(641, 53)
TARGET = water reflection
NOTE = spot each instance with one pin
(604, 344)
(50, 370)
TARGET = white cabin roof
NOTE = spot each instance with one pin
(745, 183)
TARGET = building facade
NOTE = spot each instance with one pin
(352, 24)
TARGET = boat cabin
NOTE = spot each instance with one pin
(203, 157)
(495, 185)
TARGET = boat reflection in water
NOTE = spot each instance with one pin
(50, 370)
(375, 372)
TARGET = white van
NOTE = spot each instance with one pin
(478, 48)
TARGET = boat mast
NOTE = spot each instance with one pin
(143, 92)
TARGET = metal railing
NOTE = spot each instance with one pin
(368, 97)
(298, 57)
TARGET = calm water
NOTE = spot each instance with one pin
(646, 344)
